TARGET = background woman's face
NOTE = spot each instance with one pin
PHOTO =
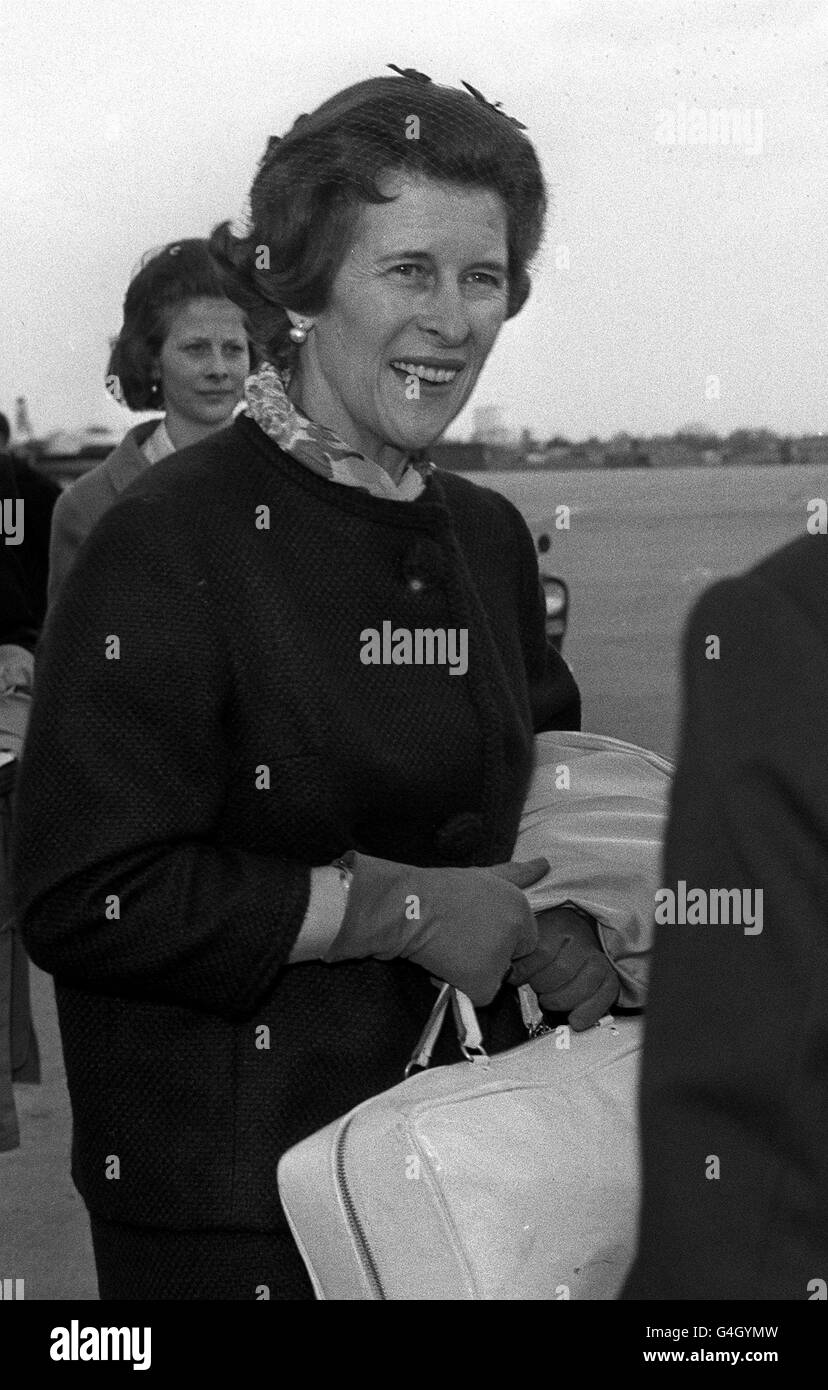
(204, 360)
(422, 294)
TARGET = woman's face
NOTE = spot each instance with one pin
(414, 312)
(204, 360)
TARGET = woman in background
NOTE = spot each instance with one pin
(183, 349)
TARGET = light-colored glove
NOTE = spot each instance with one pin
(463, 925)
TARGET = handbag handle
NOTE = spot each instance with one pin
(467, 1024)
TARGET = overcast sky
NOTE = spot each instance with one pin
(683, 279)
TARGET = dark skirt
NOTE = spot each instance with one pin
(138, 1262)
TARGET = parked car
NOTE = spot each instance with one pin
(557, 598)
(557, 607)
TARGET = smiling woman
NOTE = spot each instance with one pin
(418, 323)
(221, 896)
(348, 198)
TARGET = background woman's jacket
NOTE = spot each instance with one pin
(83, 504)
(204, 731)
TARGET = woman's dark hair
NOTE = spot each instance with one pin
(166, 280)
(310, 185)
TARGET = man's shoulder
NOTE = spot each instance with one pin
(799, 572)
(792, 580)
(756, 646)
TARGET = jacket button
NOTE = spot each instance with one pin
(460, 838)
(423, 565)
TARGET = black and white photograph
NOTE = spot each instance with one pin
(414, 668)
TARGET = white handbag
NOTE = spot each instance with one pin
(513, 1177)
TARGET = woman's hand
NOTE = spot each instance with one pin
(465, 926)
(568, 970)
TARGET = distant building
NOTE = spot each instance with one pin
(66, 455)
(99, 440)
(61, 444)
(488, 427)
(22, 424)
(94, 442)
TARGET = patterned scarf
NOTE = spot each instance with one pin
(318, 448)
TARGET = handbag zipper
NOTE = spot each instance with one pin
(359, 1237)
(535, 1028)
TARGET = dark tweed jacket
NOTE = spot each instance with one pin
(163, 885)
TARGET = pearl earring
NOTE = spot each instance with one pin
(299, 334)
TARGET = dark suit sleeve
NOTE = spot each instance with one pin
(41, 495)
(23, 568)
(734, 1101)
(553, 692)
(123, 782)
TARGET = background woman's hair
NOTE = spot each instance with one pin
(310, 186)
(166, 280)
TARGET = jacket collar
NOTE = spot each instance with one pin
(127, 462)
